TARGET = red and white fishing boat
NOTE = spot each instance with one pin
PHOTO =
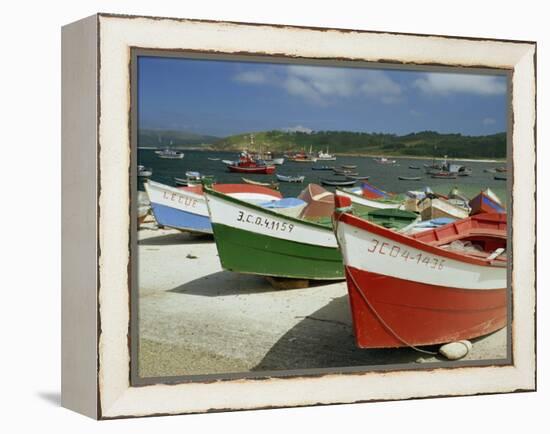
(247, 164)
(420, 289)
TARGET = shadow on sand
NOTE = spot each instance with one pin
(325, 339)
(224, 283)
(176, 238)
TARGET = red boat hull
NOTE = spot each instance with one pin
(267, 170)
(400, 313)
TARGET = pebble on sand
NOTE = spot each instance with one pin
(455, 350)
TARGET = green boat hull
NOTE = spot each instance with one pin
(247, 252)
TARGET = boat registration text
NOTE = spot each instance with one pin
(268, 223)
(400, 253)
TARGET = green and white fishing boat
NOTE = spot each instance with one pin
(254, 240)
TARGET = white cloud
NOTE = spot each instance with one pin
(299, 87)
(324, 85)
(488, 121)
(298, 129)
(446, 83)
(251, 77)
(378, 84)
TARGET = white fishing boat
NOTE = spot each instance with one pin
(170, 154)
(144, 172)
(290, 178)
(325, 156)
(276, 161)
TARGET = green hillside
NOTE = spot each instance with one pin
(425, 143)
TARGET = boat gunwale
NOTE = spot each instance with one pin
(367, 226)
(223, 196)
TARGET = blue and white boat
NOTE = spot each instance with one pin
(185, 208)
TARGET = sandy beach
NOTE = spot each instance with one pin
(196, 319)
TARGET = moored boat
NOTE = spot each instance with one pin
(409, 178)
(272, 185)
(184, 208)
(170, 154)
(144, 172)
(420, 290)
(443, 175)
(500, 177)
(302, 157)
(358, 177)
(290, 178)
(325, 156)
(322, 167)
(193, 178)
(247, 164)
(384, 160)
(336, 182)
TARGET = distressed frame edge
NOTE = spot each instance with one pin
(528, 381)
(79, 140)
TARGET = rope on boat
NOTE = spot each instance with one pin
(371, 307)
(344, 209)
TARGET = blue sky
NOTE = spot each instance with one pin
(225, 97)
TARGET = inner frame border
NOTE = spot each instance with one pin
(251, 57)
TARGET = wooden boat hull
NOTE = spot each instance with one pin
(447, 314)
(405, 292)
(254, 240)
